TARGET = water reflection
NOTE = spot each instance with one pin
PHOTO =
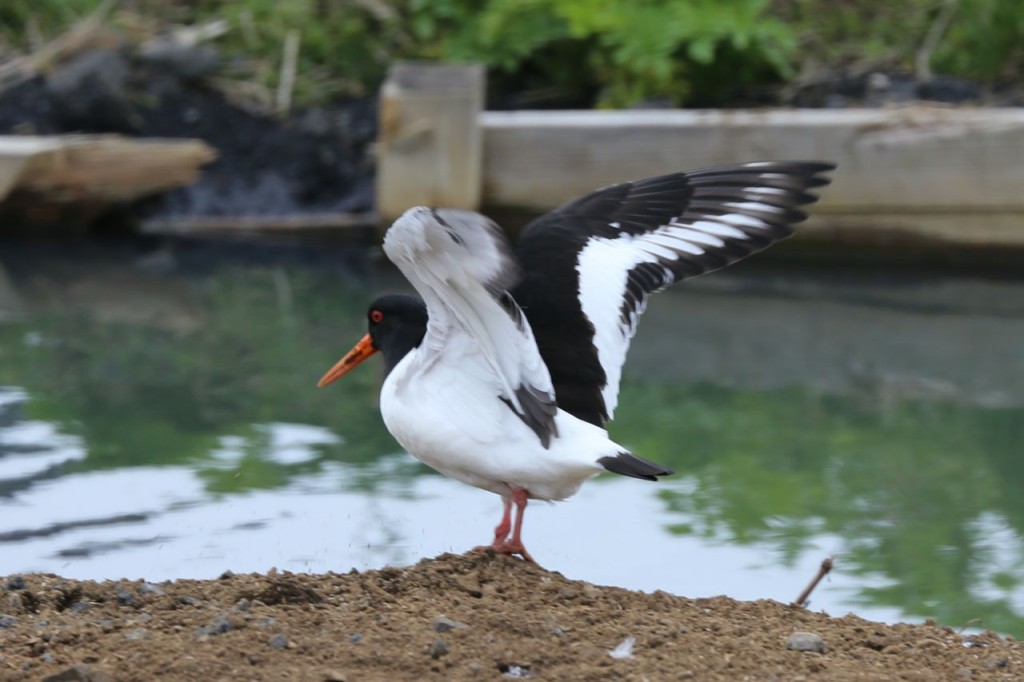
(165, 425)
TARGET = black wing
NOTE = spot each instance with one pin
(589, 265)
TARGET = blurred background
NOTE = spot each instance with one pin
(177, 274)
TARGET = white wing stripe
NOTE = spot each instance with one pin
(744, 220)
(719, 229)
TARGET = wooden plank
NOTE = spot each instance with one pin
(429, 150)
(918, 160)
(102, 168)
(15, 153)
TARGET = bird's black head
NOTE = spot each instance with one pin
(396, 324)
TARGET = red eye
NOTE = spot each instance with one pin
(377, 316)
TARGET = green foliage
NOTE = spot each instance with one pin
(617, 52)
(982, 40)
(631, 51)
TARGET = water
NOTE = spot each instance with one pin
(160, 421)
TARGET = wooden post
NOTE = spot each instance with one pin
(429, 151)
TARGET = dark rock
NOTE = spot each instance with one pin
(188, 601)
(79, 607)
(278, 642)
(91, 92)
(355, 639)
(218, 626)
(125, 598)
(226, 575)
(7, 621)
(806, 641)
(438, 649)
(14, 582)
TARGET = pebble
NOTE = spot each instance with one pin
(278, 642)
(443, 624)
(80, 606)
(806, 641)
(189, 601)
(150, 588)
(355, 639)
(218, 626)
(7, 621)
(137, 634)
(125, 598)
(14, 582)
(243, 604)
(438, 649)
(227, 575)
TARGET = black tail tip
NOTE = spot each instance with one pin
(628, 464)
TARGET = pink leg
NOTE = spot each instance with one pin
(514, 545)
(502, 529)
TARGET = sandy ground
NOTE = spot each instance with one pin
(470, 617)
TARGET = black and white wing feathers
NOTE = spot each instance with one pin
(589, 266)
(463, 266)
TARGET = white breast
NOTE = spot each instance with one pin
(446, 412)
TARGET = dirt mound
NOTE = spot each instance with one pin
(470, 617)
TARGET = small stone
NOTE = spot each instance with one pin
(151, 589)
(7, 621)
(189, 601)
(687, 675)
(443, 624)
(80, 606)
(278, 642)
(14, 582)
(14, 602)
(227, 575)
(218, 626)
(806, 641)
(137, 634)
(355, 639)
(438, 649)
(125, 598)
(334, 676)
(243, 604)
(47, 657)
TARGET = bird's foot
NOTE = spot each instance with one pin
(511, 547)
(506, 547)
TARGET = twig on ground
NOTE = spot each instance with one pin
(803, 599)
(972, 621)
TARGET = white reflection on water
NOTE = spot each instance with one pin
(613, 532)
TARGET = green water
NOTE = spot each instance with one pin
(920, 492)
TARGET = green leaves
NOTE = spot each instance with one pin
(633, 51)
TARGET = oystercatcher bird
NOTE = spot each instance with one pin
(503, 375)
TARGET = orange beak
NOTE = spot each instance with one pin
(363, 350)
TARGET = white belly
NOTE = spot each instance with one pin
(454, 422)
